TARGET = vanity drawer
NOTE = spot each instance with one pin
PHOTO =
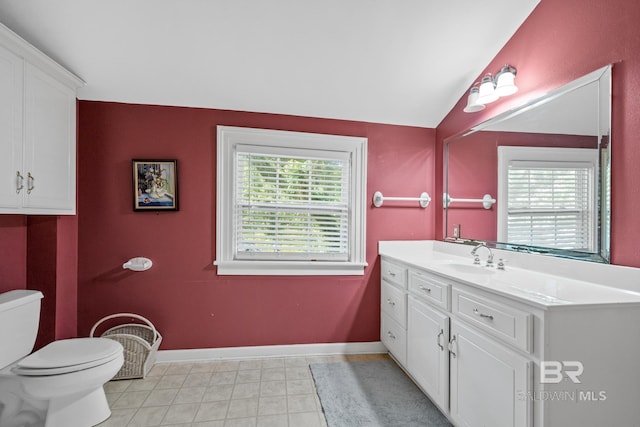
(393, 301)
(394, 273)
(499, 319)
(430, 288)
(394, 337)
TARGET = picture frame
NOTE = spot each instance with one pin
(155, 184)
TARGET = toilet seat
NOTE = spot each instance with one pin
(70, 355)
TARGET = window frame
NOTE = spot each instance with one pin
(551, 155)
(228, 137)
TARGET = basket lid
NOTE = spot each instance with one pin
(71, 352)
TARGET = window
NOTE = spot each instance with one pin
(290, 203)
(550, 197)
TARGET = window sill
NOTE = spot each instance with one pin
(293, 268)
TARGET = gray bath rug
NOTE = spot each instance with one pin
(372, 394)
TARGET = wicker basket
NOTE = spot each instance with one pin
(140, 342)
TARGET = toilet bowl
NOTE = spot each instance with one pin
(60, 385)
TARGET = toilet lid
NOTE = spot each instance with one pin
(68, 356)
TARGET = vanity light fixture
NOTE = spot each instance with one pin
(491, 89)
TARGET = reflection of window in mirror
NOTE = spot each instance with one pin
(549, 197)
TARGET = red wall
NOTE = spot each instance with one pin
(559, 42)
(40, 253)
(192, 306)
(13, 252)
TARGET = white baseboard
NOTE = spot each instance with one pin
(202, 354)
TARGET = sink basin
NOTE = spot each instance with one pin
(467, 268)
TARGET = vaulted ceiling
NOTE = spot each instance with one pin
(402, 62)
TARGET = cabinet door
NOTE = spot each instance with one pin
(487, 381)
(427, 353)
(50, 143)
(10, 130)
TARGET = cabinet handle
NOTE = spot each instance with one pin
(30, 185)
(422, 288)
(391, 303)
(19, 182)
(451, 344)
(390, 335)
(438, 339)
(479, 313)
(391, 273)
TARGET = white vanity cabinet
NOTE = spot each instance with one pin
(513, 348)
(463, 348)
(393, 307)
(427, 351)
(37, 131)
(415, 326)
(489, 380)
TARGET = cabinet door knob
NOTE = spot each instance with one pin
(30, 185)
(19, 182)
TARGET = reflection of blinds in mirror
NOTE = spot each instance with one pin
(550, 204)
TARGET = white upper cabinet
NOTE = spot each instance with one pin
(11, 108)
(49, 143)
(37, 131)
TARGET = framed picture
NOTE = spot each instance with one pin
(155, 185)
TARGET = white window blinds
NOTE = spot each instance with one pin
(551, 204)
(291, 205)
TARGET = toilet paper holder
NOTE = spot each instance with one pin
(138, 264)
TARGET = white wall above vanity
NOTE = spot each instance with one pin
(488, 346)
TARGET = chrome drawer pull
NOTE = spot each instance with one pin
(390, 335)
(438, 339)
(391, 303)
(486, 316)
(422, 288)
(391, 273)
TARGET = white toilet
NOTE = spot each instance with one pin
(60, 385)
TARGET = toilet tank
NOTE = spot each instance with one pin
(19, 319)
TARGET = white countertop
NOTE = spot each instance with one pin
(543, 281)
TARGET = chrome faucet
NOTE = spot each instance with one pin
(476, 260)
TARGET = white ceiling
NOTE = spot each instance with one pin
(402, 62)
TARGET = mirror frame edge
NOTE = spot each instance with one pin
(586, 79)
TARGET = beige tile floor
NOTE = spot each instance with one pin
(272, 392)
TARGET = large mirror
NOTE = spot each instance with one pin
(536, 178)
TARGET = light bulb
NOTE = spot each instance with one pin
(505, 81)
(487, 93)
(472, 101)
